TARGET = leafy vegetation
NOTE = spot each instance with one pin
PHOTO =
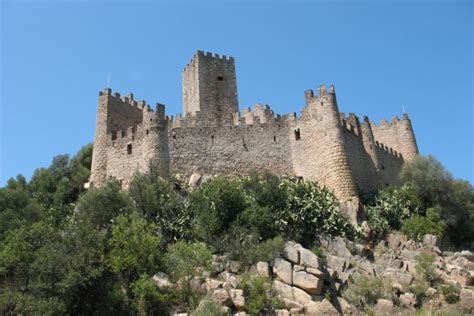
(365, 290)
(64, 250)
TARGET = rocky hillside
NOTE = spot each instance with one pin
(310, 284)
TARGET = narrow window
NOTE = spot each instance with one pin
(147, 131)
(322, 103)
(220, 78)
(297, 134)
(212, 138)
(274, 138)
(114, 135)
(129, 149)
(123, 134)
(174, 136)
(133, 137)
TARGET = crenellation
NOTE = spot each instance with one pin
(211, 136)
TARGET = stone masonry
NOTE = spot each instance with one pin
(212, 137)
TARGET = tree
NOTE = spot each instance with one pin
(159, 201)
(185, 260)
(215, 205)
(436, 187)
(99, 206)
(134, 248)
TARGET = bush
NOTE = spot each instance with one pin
(149, 300)
(215, 205)
(425, 266)
(365, 290)
(209, 307)
(99, 206)
(450, 293)
(134, 246)
(311, 210)
(252, 251)
(159, 201)
(392, 205)
(259, 296)
(417, 226)
(183, 260)
(435, 187)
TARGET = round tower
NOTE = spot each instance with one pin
(155, 141)
(406, 139)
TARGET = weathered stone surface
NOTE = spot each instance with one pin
(162, 280)
(222, 296)
(282, 312)
(346, 308)
(394, 241)
(298, 268)
(318, 273)
(233, 266)
(309, 259)
(466, 300)
(300, 296)
(282, 289)
(384, 307)
(320, 308)
(430, 240)
(308, 282)
(217, 267)
(283, 270)
(296, 311)
(408, 254)
(335, 263)
(290, 252)
(213, 284)
(431, 292)
(408, 300)
(463, 277)
(263, 269)
(238, 298)
(195, 180)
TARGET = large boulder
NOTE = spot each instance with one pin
(335, 263)
(408, 300)
(309, 259)
(290, 252)
(308, 282)
(320, 308)
(384, 307)
(466, 300)
(282, 289)
(282, 312)
(195, 180)
(263, 269)
(300, 296)
(161, 280)
(283, 270)
(238, 298)
(222, 296)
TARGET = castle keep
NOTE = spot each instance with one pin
(211, 137)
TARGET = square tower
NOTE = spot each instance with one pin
(210, 87)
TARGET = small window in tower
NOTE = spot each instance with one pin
(220, 78)
(274, 138)
(129, 149)
(123, 134)
(297, 134)
(147, 131)
(322, 103)
(114, 135)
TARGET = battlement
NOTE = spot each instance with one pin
(213, 137)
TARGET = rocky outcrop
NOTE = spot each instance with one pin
(309, 285)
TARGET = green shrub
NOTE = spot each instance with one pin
(417, 226)
(183, 260)
(159, 201)
(419, 287)
(264, 251)
(149, 300)
(365, 290)
(392, 205)
(435, 186)
(450, 293)
(215, 205)
(258, 295)
(311, 210)
(209, 307)
(425, 266)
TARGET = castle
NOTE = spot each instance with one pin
(212, 137)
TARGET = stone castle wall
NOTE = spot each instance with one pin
(212, 137)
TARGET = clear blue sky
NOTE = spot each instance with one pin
(380, 55)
